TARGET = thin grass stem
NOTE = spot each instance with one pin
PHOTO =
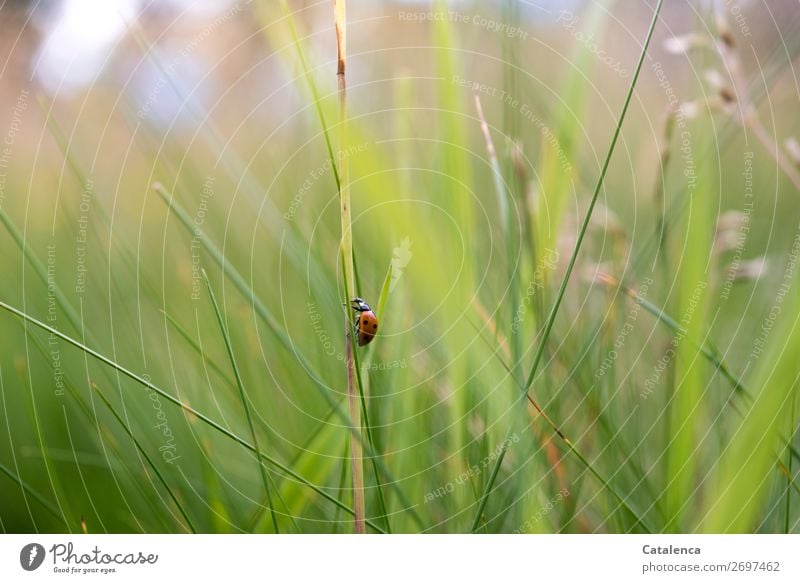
(243, 394)
(187, 408)
(356, 452)
(562, 290)
(278, 331)
(149, 461)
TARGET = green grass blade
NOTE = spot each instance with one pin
(22, 484)
(707, 349)
(789, 472)
(149, 461)
(373, 453)
(570, 266)
(35, 495)
(243, 394)
(272, 323)
(187, 408)
(184, 333)
(592, 203)
(742, 478)
(41, 270)
(503, 194)
(312, 85)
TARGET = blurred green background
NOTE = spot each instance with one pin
(679, 420)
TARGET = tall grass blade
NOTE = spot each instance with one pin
(187, 408)
(356, 453)
(277, 330)
(743, 475)
(243, 395)
(562, 289)
(147, 458)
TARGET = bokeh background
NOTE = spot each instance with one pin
(146, 141)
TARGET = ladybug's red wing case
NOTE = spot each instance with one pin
(367, 327)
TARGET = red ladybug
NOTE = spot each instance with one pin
(366, 326)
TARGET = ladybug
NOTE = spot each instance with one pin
(366, 326)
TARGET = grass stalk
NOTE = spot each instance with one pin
(25, 375)
(184, 333)
(243, 395)
(356, 453)
(374, 453)
(789, 474)
(659, 198)
(317, 101)
(35, 495)
(342, 482)
(266, 316)
(592, 203)
(88, 412)
(312, 87)
(41, 271)
(59, 515)
(146, 457)
(186, 408)
(502, 193)
(707, 349)
(548, 327)
(759, 87)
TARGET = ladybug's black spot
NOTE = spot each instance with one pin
(374, 326)
(364, 321)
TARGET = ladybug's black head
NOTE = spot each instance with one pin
(360, 305)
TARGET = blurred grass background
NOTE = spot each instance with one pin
(672, 364)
